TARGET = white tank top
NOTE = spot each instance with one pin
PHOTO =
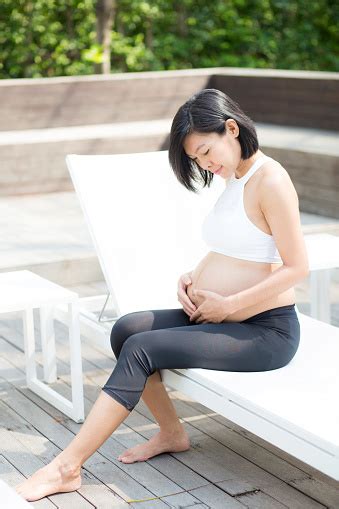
(228, 230)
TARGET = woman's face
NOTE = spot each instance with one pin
(217, 153)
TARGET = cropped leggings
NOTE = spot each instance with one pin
(146, 341)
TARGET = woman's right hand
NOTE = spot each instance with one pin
(184, 281)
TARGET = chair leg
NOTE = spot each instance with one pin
(48, 343)
(76, 362)
(320, 295)
(29, 342)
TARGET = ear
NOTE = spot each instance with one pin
(232, 127)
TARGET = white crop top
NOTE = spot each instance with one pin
(228, 230)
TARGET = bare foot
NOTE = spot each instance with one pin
(53, 478)
(159, 443)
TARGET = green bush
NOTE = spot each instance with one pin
(47, 38)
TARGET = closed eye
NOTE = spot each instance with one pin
(205, 154)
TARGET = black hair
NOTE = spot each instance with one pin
(206, 112)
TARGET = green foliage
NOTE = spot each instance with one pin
(45, 38)
(48, 38)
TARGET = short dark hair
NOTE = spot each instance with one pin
(206, 112)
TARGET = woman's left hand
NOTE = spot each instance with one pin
(215, 308)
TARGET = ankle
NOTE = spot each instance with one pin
(175, 429)
(67, 467)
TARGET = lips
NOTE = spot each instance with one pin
(218, 170)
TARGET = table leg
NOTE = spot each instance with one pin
(29, 342)
(48, 343)
(74, 408)
(76, 362)
(320, 295)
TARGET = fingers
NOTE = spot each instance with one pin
(201, 320)
(188, 313)
(195, 316)
(186, 279)
(186, 303)
(188, 306)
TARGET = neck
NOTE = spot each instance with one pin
(245, 164)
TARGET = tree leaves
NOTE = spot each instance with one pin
(48, 38)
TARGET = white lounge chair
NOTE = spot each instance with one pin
(146, 230)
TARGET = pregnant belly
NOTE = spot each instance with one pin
(226, 275)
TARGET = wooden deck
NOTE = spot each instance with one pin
(226, 467)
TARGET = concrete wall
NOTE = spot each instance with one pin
(297, 98)
(304, 99)
(88, 100)
(122, 113)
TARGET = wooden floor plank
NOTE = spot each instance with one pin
(142, 473)
(198, 482)
(126, 466)
(10, 475)
(133, 414)
(216, 498)
(30, 448)
(242, 446)
(27, 462)
(253, 474)
(299, 498)
(70, 500)
(185, 500)
(100, 495)
(120, 483)
(260, 500)
(260, 445)
(140, 425)
(318, 489)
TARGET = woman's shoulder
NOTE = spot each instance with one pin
(274, 178)
(272, 168)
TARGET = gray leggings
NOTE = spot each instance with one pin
(146, 341)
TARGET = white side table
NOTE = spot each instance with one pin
(24, 291)
(323, 255)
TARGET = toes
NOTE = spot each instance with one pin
(127, 460)
(124, 455)
(132, 458)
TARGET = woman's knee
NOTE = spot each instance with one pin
(140, 348)
(121, 330)
(124, 327)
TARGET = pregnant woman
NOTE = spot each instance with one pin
(238, 304)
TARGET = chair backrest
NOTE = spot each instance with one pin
(145, 226)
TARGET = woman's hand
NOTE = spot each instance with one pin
(214, 308)
(185, 301)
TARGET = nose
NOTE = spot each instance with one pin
(207, 165)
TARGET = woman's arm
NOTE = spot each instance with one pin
(280, 205)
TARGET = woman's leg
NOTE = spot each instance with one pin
(225, 346)
(262, 335)
(172, 436)
(106, 415)
(63, 473)
(265, 342)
